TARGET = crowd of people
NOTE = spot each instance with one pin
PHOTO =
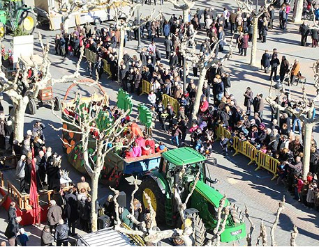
(279, 139)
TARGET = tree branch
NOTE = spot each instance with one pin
(273, 228)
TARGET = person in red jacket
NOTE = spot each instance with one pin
(204, 105)
(147, 150)
(150, 142)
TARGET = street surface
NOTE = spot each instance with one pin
(239, 182)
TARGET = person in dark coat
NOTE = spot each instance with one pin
(284, 68)
(248, 99)
(46, 237)
(12, 231)
(263, 32)
(314, 37)
(274, 62)
(40, 165)
(265, 61)
(53, 171)
(54, 215)
(12, 212)
(61, 234)
(2, 133)
(244, 44)
(84, 213)
(168, 46)
(28, 168)
(304, 31)
(71, 210)
(173, 61)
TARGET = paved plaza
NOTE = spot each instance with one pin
(240, 182)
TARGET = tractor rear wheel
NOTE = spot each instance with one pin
(32, 107)
(199, 230)
(28, 22)
(150, 187)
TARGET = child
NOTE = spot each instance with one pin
(22, 238)
(224, 145)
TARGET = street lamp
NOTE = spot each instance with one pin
(138, 2)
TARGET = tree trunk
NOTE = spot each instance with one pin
(94, 197)
(253, 54)
(199, 92)
(19, 112)
(307, 145)
(121, 51)
(186, 15)
(298, 8)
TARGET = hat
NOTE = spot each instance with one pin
(161, 147)
(262, 125)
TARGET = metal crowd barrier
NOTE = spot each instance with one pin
(246, 148)
(106, 67)
(173, 102)
(146, 87)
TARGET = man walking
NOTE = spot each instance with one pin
(54, 215)
(168, 46)
(274, 63)
(304, 31)
(61, 234)
(284, 68)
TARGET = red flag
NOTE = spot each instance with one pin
(34, 202)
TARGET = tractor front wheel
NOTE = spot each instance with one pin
(28, 22)
(199, 230)
(150, 187)
(2, 30)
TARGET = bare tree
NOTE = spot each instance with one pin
(185, 6)
(263, 234)
(105, 134)
(22, 89)
(247, 6)
(306, 117)
(298, 9)
(203, 63)
(124, 21)
(252, 227)
(274, 226)
(294, 235)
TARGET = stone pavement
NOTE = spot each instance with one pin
(240, 182)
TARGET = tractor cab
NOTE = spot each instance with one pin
(178, 172)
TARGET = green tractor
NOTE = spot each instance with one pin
(14, 15)
(202, 207)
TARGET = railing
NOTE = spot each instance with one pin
(15, 195)
(146, 87)
(24, 200)
(246, 148)
(173, 102)
(107, 68)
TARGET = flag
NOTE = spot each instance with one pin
(34, 202)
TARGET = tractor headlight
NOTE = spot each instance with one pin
(1, 30)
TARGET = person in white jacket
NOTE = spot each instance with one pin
(152, 98)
